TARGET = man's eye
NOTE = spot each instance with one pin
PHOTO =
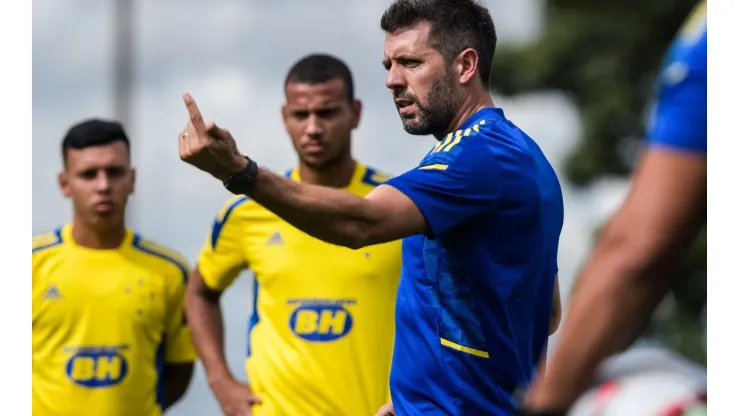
(410, 63)
(325, 113)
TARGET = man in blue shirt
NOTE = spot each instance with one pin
(630, 270)
(481, 216)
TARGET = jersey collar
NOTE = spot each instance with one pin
(357, 175)
(69, 240)
(487, 113)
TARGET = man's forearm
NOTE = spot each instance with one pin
(328, 214)
(206, 325)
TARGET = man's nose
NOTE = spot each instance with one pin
(103, 182)
(314, 126)
(395, 80)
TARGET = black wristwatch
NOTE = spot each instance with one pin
(241, 182)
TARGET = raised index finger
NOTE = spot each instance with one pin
(195, 117)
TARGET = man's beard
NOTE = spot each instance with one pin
(437, 114)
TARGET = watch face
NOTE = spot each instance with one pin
(241, 182)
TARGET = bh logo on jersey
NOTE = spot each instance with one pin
(97, 367)
(321, 320)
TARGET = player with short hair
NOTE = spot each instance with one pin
(481, 216)
(321, 333)
(108, 323)
(631, 268)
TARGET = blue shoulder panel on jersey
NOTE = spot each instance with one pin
(157, 253)
(678, 118)
(372, 177)
(53, 243)
(447, 150)
(218, 224)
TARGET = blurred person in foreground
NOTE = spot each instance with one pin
(631, 268)
(109, 332)
(481, 216)
(321, 333)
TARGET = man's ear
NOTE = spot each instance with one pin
(467, 65)
(63, 180)
(356, 113)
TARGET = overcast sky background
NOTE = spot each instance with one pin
(232, 56)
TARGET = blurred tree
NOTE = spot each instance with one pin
(606, 55)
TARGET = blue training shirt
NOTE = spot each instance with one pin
(474, 303)
(679, 117)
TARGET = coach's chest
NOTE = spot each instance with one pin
(103, 294)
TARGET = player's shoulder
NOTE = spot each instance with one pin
(477, 139)
(235, 206)
(238, 216)
(160, 258)
(693, 32)
(688, 52)
(373, 177)
(47, 243)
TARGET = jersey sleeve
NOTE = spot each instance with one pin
(679, 116)
(178, 341)
(222, 257)
(453, 184)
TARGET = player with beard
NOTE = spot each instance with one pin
(481, 216)
(321, 333)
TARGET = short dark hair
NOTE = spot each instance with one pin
(455, 26)
(93, 132)
(321, 68)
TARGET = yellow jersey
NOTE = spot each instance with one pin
(104, 323)
(321, 334)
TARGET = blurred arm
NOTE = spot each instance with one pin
(629, 272)
(339, 217)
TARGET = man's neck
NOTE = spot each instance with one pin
(471, 105)
(107, 239)
(335, 175)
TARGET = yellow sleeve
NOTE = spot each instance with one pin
(178, 346)
(43, 246)
(222, 257)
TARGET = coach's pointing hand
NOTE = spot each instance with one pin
(208, 147)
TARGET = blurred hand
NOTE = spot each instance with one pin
(208, 147)
(386, 410)
(234, 397)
